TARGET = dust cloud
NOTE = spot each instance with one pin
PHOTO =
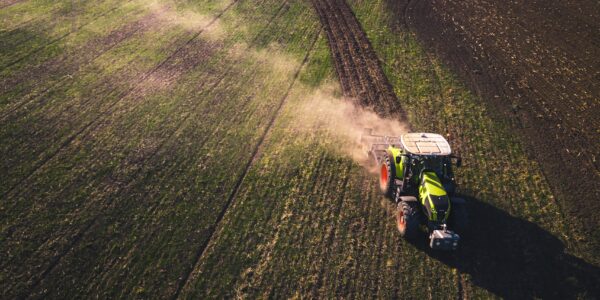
(343, 121)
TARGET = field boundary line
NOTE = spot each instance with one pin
(111, 106)
(255, 154)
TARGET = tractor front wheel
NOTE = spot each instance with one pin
(387, 174)
(407, 219)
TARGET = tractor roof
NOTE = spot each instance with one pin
(425, 144)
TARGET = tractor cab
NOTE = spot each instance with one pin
(428, 152)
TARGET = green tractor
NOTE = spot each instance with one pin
(415, 171)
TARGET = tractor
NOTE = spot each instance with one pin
(415, 171)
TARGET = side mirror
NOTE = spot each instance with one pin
(398, 159)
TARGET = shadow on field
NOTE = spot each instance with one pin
(517, 259)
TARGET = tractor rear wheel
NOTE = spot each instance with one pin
(459, 218)
(387, 174)
(407, 219)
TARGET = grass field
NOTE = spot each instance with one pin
(193, 149)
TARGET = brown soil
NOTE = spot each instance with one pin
(537, 65)
(358, 68)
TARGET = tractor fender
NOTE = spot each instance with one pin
(457, 200)
(408, 199)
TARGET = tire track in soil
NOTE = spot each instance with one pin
(89, 128)
(356, 63)
(89, 53)
(60, 38)
(255, 155)
(79, 236)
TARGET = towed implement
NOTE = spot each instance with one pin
(415, 171)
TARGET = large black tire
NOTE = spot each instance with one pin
(387, 175)
(459, 218)
(407, 219)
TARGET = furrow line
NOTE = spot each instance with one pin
(388, 102)
(361, 67)
(249, 164)
(381, 95)
(335, 52)
(345, 73)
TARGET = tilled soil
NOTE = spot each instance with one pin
(357, 65)
(537, 65)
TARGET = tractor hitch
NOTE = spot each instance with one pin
(443, 239)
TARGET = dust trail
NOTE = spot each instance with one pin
(342, 121)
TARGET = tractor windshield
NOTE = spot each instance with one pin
(438, 164)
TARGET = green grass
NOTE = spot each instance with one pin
(126, 204)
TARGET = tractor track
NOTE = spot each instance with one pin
(358, 68)
(80, 235)
(89, 127)
(255, 155)
(60, 38)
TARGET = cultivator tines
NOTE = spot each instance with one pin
(376, 145)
